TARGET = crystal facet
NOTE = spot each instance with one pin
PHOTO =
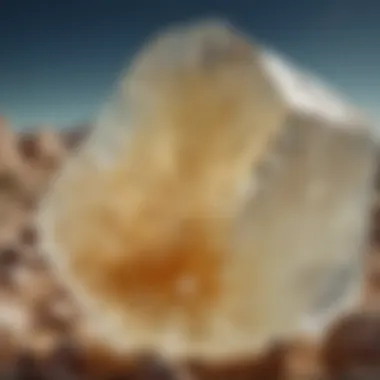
(222, 201)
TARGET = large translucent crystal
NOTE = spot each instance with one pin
(222, 201)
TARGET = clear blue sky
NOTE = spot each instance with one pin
(59, 59)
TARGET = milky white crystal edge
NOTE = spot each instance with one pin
(306, 93)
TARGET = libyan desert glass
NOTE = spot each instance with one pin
(222, 201)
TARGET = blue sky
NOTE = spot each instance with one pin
(59, 59)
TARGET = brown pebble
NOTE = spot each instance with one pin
(269, 365)
(25, 367)
(75, 136)
(9, 257)
(151, 367)
(352, 347)
(28, 147)
(28, 235)
(66, 362)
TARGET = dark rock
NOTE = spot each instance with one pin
(352, 348)
(28, 147)
(28, 235)
(66, 363)
(9, 257)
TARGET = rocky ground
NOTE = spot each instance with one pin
(42, 336)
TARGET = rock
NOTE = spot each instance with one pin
(10, 161)
(9, 257)
(43, 151)
(28, 235)
(52, 148)
(251, 181)
(352, 349)
(44, 146)
(73, 137)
